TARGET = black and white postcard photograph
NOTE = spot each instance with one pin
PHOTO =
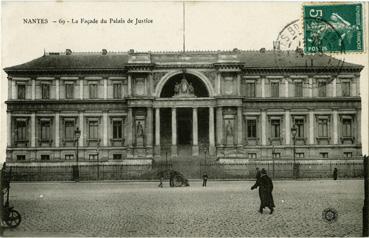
(181, 118)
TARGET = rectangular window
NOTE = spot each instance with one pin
(300, 155)
(276, 155)
(117, 129)
(45, 91)
(323, 127)
(21, 91)
(251, 128)
(322, 89)
(298, 89)
(324, 155)
(21, 130)
(69, 157)
(117, 90)
(92, 157)
(346, 128)
(250, 89)
(45, 130)
(69, 130)
(117, 156)
(21, 157)
(45, 157)
(345, 89)
(275, 89)
(69, 91)
(300, 128)
(275, 128)
(347, 154)
(93, 130)
(252, 155)
(92, 90)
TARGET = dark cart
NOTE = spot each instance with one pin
(11, 216)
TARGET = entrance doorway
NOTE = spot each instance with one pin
(184, 126)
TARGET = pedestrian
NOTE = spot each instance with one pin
(265, 185)
(204, 179)
(335, 173)
(171, 179)
(161, 180)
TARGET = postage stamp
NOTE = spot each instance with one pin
(333, 28)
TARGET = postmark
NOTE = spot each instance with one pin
(330, 28)
(330, 215)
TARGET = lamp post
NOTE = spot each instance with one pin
(294, 132)
(98, 162)
(77, 134)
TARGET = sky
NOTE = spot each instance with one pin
(208, 26)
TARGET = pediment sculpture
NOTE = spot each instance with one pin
(183, 88)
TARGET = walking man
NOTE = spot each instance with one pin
(265, 185)
(335, 174)
(204, 179)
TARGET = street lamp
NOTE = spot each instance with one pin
(294, 132)
(77, 134)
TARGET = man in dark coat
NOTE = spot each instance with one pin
(265, 185)
(204, 179)
(335, 174)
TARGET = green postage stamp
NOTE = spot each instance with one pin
(333, 28)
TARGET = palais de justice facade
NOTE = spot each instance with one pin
(135, 107)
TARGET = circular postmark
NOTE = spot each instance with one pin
(330, 215)
(290, 37)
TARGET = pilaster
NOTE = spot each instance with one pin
(157, 131)
(311, 127)
(81, 128)
(81, 88)
(239, 126)
(57, 124)
(263, 87)
(211, 132)
(335, 127)
(105, 88)
(149, 122)
(57, 88)
(219, 126)
(9, 129)
(33, 91)
(288, 126)
(33, 129)
(105, 129)
(14, 90)
(263, 127)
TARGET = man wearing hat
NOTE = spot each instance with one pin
(265, 185)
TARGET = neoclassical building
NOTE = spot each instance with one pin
(139, 107)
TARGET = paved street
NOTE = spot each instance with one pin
(221, 209)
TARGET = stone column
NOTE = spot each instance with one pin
(33, 130)
(81, 128)
(105, 88)
(311, 127)
(239, 126)
(335, 127)
(81, 88)
(211, 132)
(174, 132)
(57, 89)
(157, 131)
(57, 124)
(219, 126)
(9, 129)
(263, 127)
(130, 133)
(151, 87)
(286, 88)
(105, 129)
(195, 142)
(33, 92)
(129, 85)
(263, 87)
(288, 127)
(149, 122)
(334, 87)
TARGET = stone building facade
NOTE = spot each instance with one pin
(137, 107)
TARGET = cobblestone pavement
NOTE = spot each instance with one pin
(221, 209)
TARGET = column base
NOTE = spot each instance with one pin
(174, 150)
(212, 150)
(157, 151)
(195, 150)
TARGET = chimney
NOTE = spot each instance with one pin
(262, 50)
(104, 52)
(131, 51)
(68, 51)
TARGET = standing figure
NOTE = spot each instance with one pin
(204, 179)
(265, 185)
(161, 180)
(171, 179)
(139, 130)
(335, 174)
